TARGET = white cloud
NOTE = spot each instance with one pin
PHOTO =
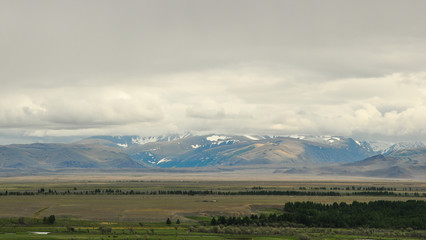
(391, 105)
(278, 67)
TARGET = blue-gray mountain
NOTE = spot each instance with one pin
(221, 150)
(406, 163)
(293, 154)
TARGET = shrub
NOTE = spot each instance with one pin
(304, 236)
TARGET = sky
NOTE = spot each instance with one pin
(71, 69)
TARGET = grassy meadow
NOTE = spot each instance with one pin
(102, 215)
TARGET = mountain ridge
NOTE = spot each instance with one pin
(294, 154)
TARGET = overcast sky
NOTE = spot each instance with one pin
(80, 68)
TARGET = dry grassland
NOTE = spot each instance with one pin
(143, 208)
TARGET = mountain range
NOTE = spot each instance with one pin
(296, 154)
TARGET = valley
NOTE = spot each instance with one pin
(138, 209)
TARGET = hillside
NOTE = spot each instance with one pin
(181, 151)
(311, 155)
(407, 163)
(221, 150)
(60, 156)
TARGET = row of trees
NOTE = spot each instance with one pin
(305, 233)
(210, 192)
(377, 214)
(169, 222)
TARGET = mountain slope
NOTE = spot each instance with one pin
(407, 163)
(221, 150)
(57, 156)
(182, 151)
(290, 155)
(387, 148)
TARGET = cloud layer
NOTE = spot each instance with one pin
(278, 67)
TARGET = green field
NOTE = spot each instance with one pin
(143, 216)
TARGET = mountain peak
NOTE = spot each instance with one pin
(387, 148)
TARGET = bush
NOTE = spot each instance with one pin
(304, 236)
(105, 229)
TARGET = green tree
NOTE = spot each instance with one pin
(168, 222)
(178, 221)
(49, 220)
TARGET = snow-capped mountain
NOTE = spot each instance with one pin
(380, 147)
(335, 141)
(212, 150)
(320, 139)
(386, 148)
(230, 150)
(172, 153)
(127, 141)
(403, 146)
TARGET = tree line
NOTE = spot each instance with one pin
(42, 191)
(375, 214)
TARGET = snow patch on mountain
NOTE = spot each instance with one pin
(320, 139)
(380, 146)
(215, 138)
(226, 142)
(403, 146)
(196, 146)
(163, 160)
(297, 137)
(167, 138)
(389, 147)
(185, 135)
(251, 137)
(144, 140)
(123, 145)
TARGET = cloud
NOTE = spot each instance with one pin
(275, 67)
(237, 100)
(78, 108)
